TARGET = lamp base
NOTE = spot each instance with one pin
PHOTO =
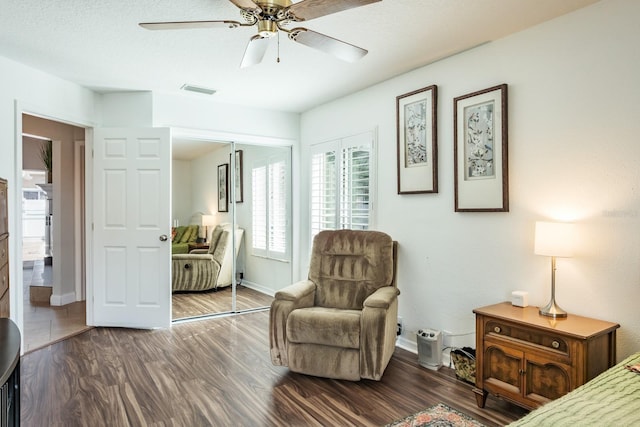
(553, 310)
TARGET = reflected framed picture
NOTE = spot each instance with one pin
(416, 119)
(481, 173)
(238, 177)
(223, 187)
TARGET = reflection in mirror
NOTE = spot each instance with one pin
(203, 197)
(264, 264)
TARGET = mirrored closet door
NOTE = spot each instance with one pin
(219, 187)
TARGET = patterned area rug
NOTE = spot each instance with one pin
(439, 415)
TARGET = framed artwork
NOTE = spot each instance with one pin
(416, 115)
(481, 172)
(223, 187)
(238, 177)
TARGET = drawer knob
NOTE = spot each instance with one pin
(555, 344)
(497, 329)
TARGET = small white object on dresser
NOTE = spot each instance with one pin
(520, 298)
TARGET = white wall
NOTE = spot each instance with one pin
(127, 109)
(573, 151)
(239, 124)
(181, 191)
(35, 92)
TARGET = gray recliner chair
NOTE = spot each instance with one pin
(340, 322)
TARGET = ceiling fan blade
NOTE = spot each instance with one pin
(255, 51)
(245, 4)
(310, 9)
(335, 47)
(183, 25)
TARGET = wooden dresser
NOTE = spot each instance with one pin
(4, 251)
(531, 359)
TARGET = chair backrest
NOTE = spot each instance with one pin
(349, 265)
(221, 248)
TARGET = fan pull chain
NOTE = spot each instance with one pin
(278, 60)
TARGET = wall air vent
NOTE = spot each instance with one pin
(198, 89)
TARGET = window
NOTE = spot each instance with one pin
(342, 184)
(270, 184)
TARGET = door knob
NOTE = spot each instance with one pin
(163, 237)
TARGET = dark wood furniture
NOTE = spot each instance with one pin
(193, 246)
(9, 374)
(530, 359)
(4, 251)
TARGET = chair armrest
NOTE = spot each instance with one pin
(192, 257)
(199, 251)
(296, 291)
(298, 295)
(378, 331)
(382, 298)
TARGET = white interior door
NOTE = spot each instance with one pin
(132, 217)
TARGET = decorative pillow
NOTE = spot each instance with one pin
(173, 233)
(179, 233)
(186, 237)
(195, 233)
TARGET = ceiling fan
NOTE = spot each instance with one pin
(272, 16)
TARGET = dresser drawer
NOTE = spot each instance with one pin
(527, 335)
(4, 251)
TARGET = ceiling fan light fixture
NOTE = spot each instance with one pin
(198, 89)
(267, 29)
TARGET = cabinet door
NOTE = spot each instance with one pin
(502, 370)
(545, 380)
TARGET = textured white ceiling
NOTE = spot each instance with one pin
(98, 44)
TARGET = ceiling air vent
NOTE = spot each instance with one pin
(198, 89)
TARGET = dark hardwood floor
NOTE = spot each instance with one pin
(193, 304)
(218, 372)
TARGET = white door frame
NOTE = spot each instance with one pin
(80, 212)
(15, 250)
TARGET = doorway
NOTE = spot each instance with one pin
(52, 243)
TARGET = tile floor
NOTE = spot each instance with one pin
(44, 324)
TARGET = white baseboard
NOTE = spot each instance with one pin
(64, 299)
(257, 287)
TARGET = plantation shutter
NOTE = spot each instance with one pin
(355, 195)
(259, 208)
(270, 184)
(278, 208)
(342, 184)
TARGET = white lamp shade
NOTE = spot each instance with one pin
(554, 239)
(208, 220)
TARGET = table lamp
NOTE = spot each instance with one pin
(554, 239)
(207, 220)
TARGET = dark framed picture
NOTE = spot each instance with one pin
(238, 177)
(481, 173)
(416, 119)
(223, 187)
